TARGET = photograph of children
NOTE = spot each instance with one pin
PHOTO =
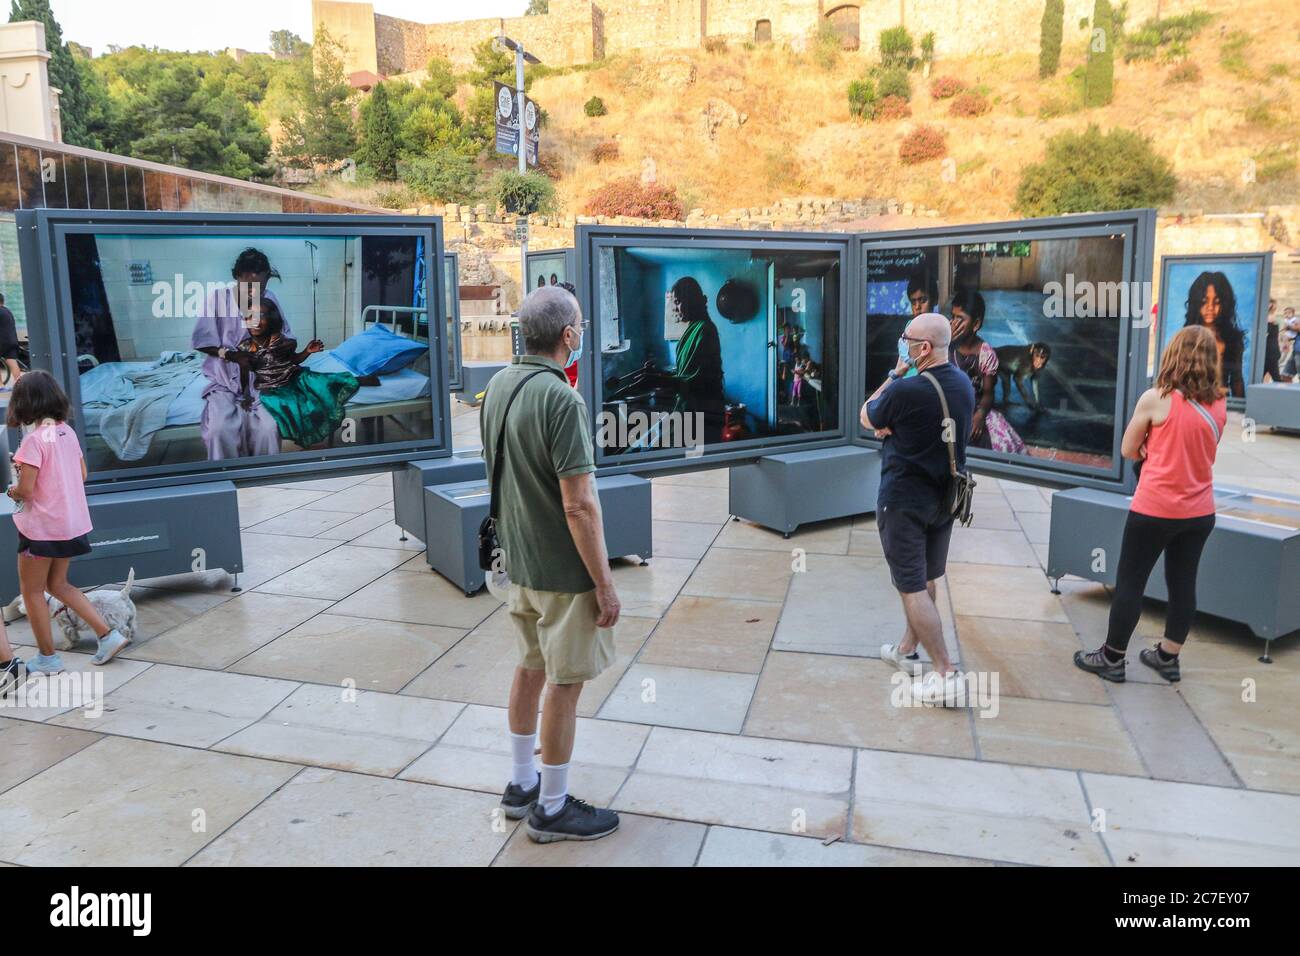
(212, 348)
(547, 268)
(1042, 356)
(748, 341)
(1224, 294)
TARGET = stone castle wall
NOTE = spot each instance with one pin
(579, 31)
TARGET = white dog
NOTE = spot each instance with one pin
(115, 607)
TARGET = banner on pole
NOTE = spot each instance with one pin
(507, 123)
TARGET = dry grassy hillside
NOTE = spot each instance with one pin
(798, 137)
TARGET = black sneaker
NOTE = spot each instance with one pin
(576, 820)
(516, 801)
(1166, 669)
(1095, 662)
(10, 675)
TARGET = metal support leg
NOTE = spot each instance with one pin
(1265, 658)
(235, 588)
(1056, 585)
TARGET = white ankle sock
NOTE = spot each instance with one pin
(555, 787)
(523, 768)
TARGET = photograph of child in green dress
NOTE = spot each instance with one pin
(307, 406)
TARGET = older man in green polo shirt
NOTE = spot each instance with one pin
(562, 597)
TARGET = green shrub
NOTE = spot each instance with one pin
(395, 197)
(895, 82)
(715, 45)
(1051, 32)
(1232, 53)
(896, 47)
(443, 175)
(921, 144)
(1094, 171)
(594, 107)
(631, 197)
(970, 103)
(927, 48)
(1274, 163)
(862, 98)
(1277, 70)
(522, 193)
(1259, 114)
(826, 47)
(1099, 80)
(1055, 106)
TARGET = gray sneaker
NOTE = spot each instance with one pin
(110, 645)
(516, 801)
(576, 820)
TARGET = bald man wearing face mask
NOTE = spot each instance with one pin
(914, 525)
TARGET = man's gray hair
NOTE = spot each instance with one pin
(544, 316)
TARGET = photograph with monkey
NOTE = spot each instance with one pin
(1023, 363)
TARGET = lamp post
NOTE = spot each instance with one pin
(521, 56)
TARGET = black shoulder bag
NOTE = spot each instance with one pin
(961, 486)
(488, 545)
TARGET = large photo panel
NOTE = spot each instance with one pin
(708, 345)
(1229, 295)
(1045, 319)
(223, 345)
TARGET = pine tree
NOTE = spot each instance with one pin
(1053, 31)
(379, 135)
(1099, 79)
(318, 128)
(64, 70)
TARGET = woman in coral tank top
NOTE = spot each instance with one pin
(1175, 432)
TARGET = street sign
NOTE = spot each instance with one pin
(521, 229)
(507, 123)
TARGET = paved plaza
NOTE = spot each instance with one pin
(347, 707)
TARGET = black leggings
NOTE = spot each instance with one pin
(1181, 540)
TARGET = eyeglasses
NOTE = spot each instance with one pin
(907, 338)
(581, 326)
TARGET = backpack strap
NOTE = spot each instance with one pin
(1209, 419)
(950, 442)
(498, 457)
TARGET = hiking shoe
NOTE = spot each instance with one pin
(907, 663)
(40, 664)
(516, 801)
(576, 820)
(109, 647)
(1166, 669)
(1094, 662)
(10, 675)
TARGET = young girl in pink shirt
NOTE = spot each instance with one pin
(51, 515)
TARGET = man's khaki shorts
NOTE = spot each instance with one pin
(557, 633)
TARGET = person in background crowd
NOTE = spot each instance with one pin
(914, 526)
(1290, 336)
(562, 599)
(1272, 348)
(9, 342)
(1175, 432)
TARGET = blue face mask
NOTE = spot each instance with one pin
(576, 353)
(905, 352)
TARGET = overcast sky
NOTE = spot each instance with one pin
(191, 25)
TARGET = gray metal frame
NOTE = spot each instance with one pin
(588, 238)
(1255, 374)
(570, 263)
(451, 296)
(1138, 229)
(42, 234)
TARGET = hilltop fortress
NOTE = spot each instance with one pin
(580, 31)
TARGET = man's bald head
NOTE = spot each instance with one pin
(933, 328)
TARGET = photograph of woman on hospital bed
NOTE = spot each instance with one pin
(247, 385)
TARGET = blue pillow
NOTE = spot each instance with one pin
(377, 351)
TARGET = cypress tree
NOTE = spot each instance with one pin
(1099, 79)
(1052, 32)
(379, 135)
